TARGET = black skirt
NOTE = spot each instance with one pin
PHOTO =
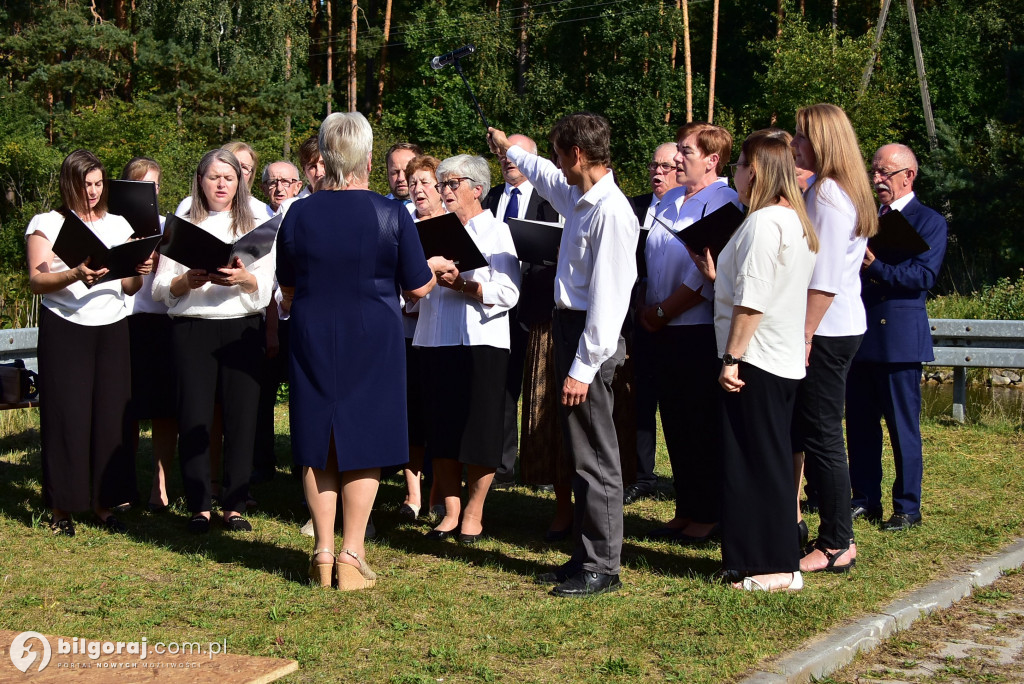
(154, 382)
(464, 403)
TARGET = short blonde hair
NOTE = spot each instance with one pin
(346, 143)
(837, 156)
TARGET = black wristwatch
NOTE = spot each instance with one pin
(729, 360)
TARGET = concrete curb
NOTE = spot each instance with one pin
(837, 648)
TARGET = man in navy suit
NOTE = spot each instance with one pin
(885, 378)
(516, 198)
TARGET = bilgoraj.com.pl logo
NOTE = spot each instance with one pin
(28, 647)
(24, 650)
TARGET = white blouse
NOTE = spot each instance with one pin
(100, 305)
(217, 301)
(449, 318)
(766, 266)
(668, 263)
(840, 254)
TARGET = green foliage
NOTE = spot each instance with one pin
(1001, 301)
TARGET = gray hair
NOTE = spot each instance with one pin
(242, 220)
(266, 169)
(346, 143)
(466, 166)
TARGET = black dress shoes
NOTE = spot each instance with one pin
(802, 533)
(872, 515)
(901, 521)
(558, 575)
(470, 538)
(635, 492)
(441, 534)
(586, 583)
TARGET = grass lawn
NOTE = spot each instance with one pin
(442, 612)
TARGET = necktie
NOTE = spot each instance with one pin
(512, 210)
(885, 210)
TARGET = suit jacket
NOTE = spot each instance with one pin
(537, 285)
(894, 294)
(641, 203)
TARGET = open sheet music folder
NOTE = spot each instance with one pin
(193, 247)
(713, 231)
(896, 239)
(136, 202)
(536, 241)
(76, 243)
(446, 236)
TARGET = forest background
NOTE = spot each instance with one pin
(172, 78)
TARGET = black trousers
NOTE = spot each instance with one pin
(759, 496)
(818, 432)
(589, 434)
(275, 371)
(645, 368)
(85, 384)
(518, 337)
(217, 359)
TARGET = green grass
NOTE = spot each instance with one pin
(442, 612)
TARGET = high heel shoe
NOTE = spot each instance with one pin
(351, 578)
(321, 573)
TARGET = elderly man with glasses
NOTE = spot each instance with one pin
(280, 182)
(885, 377)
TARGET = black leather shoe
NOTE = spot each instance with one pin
(690, 540)
(237, 523)
(802, 533)
(63, 527)
(635, 492)
(198, 524)
(441, 534)
(586, 583)
(558, 575)
(872, 515)
(112, 525)
(901, 521)
(470, 538)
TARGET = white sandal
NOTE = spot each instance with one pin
(795, 584)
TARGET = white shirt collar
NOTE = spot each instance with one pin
(902, 202)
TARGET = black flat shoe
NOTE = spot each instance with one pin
(802, 533)
(558, 574)
(872, 515)
(440, 534)
(690, 540)
(832, 558)
(121, 508)
(64, 527)
(199, 524)
(156, 509)
(407, 512)
(470, 538)
(586, 583)
(237, 523)
(552, 536)
(112, 524)
(901, 521)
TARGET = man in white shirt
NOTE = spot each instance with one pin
(280, 182)
(516, 198)
(594, 277)
(662, 170)
(397, 158)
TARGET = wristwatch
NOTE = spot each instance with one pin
(729, 360)
(660, 312)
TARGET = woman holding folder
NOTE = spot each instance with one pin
(464, 332)
(84, 358)
(218, 343)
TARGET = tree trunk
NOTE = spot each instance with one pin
(352, 28)
(686, 61)
(714, 56)
(835, 15)
(330, 55)
(781, 15)
(521, 54)
(287, 150)
(383, 61)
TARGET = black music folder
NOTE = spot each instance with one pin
(136, 202)
(193, 247)
(536, 241)
(896, 239)
(446, 236)
(76, 242)
(713, 231)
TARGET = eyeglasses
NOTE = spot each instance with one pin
(246, 168)
(886, 175)
(735, 165)
(285, 182)
(663, 168)
(452, 184)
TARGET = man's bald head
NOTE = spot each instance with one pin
(893, 171)
(510, 171)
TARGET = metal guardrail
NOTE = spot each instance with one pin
(19, 343)
(965, 344)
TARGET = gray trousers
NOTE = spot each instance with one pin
(590, 435)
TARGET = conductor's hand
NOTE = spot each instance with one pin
(497, 141)
(87, 275)
(439, 266)
(236, 274)
(574, 392)
(729, 378)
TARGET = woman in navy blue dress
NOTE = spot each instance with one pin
(345, 254)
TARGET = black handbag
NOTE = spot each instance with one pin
(18, 384)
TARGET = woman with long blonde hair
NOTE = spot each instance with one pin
(760, 300)
(842, 209)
